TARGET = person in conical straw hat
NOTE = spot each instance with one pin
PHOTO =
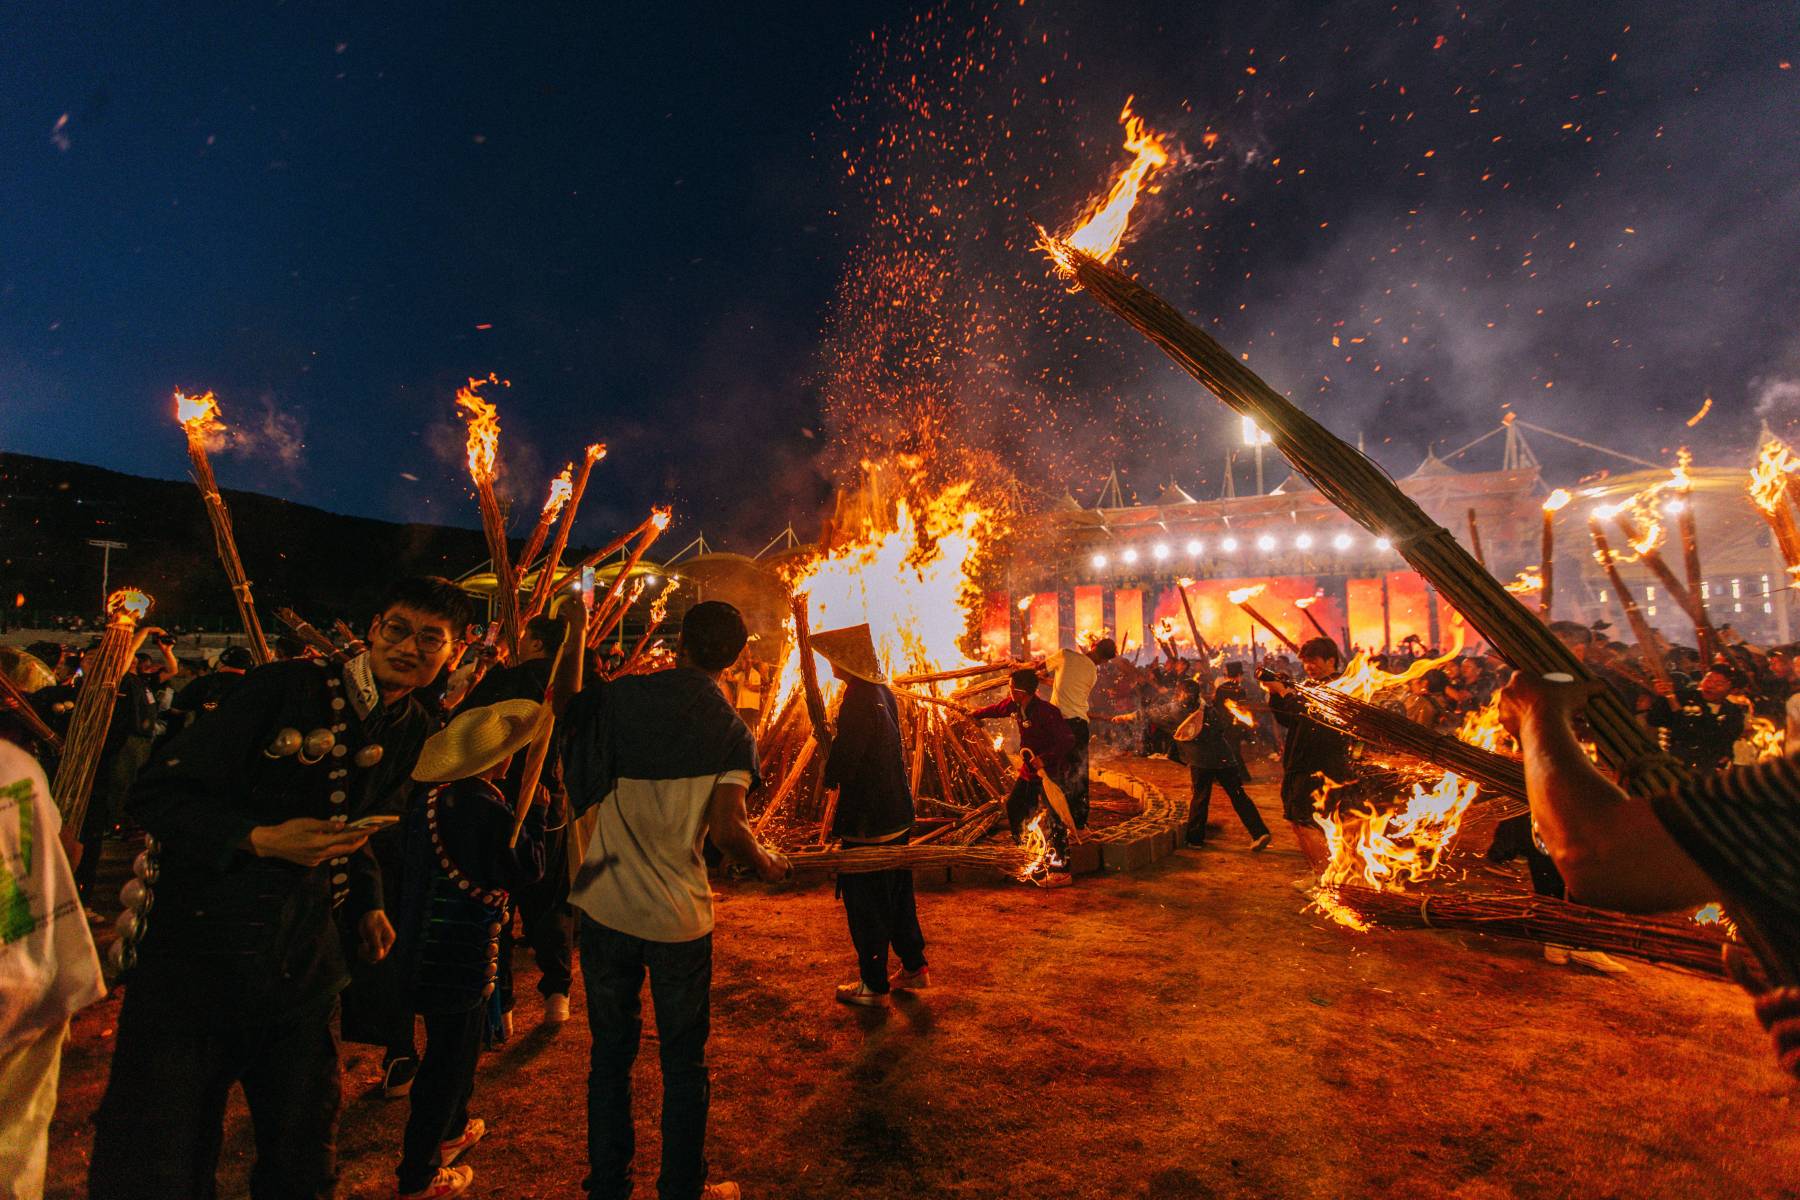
(459, 875)
(874, 807)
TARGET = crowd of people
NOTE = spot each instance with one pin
(340, 845)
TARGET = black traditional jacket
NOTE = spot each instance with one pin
(234, 938)
(868, 767)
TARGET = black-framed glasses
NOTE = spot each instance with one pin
(394, 631)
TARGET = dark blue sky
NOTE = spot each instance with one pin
(313, 210)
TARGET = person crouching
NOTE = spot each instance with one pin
(459, 873)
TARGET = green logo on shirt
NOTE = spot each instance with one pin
(16, 920)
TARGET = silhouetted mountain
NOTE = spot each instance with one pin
(322, 564)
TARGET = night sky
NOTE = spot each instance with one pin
(747, 245)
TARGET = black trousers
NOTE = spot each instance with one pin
(440, 1092)
(882, 913)
(1076, 785)
(1228, 778)
(613, 966)
(543, 908)
(1025, 796)
(159, 1127)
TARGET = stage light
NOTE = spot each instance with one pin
(1161, 551)
(1195, 547)
(1303, 542)
(1383, 544)
(1265, 543)
(1254, 436)
(1130, 557)
(1099, 561)
(1228, 545)
(1341, 542)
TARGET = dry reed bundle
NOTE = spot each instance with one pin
(547, 567)
(1496, 773)
(1689, 601)
(14, 700)
(888, 858)
(609, 611)
(199, 417)
(560, 489)
(103, 669)
(1363, 491)
(1543, 919)
(307, 632)
(1690, 561)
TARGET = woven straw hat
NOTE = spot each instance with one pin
(851, 650)
(25, 670)
(477, 740)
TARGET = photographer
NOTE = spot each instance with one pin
(1313, 755)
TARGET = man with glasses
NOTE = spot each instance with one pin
(258, 815)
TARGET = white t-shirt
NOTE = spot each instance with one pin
(1074, 681)
(49, 969)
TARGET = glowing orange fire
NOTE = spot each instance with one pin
(1769, 478)
(660, 518)
(199, 415)
(909, 573)
(1101, 232)
(1557, 501)
(1405, 844)
(561, 488)
(128, 605)
(484, 427)
(1527, 580)
(1768, 738)
(1239, 713)
(1482, 728)
(596, 452)
(1243, 594)
(1306, 602)
(1363, 679)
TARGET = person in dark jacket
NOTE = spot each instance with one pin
(460, 870)
(1314, 754)
(1045, 741)
(867, 769)
(543, 906)
(1699, 724)
(1201, 741)
(257, 815)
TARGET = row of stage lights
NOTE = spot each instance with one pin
(1265, 544)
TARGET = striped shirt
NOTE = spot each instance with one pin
(1742, 827)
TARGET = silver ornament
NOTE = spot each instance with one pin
(134, 894)
(369, 755)
(318, 743)
(145, 867)
(126, 925)
(286, 742)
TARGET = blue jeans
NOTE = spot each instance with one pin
(613, 966)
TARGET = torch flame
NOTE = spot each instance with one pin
(1306, 602)
(129, 604)
(484, 427)
(1184, 583)
(1362, 678)
(1769, 478)
(660, 517)
(1383, 850)
(1556, 500)
(1768, 738)
(659, 607)
(199, 415)
(1482, 728)
(1103, 230)
(561, 488)
(1025, 604)
(1530, 579)
(1240, 595)
(596, 452)
(1239, 713)
(1678, 474)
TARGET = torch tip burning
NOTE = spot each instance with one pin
(129, 602)
(198, 414)
(660, 518)
(484, 427)
(1101, 232)
(1557, 500)
(1246, 594)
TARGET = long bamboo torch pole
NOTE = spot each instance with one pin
(547, 570)
(1364, 492)
(1306, 611)
(1475, 539)
(560, 489)
(1687, 525)
(1200, 646)
(1553, 504)
(483, 448)
(650, 530)
(1652, 558)
(1649, 644)
(199, 417)
(102, 670)
(1269, 625)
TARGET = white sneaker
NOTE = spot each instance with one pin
(1596, 960)
(722, 1191)
(556, 1008)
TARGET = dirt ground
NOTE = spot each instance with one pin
(1184, 1032)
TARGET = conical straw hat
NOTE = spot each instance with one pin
(476, 740)
(851, 650)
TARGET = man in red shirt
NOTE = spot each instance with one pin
(1045, 734)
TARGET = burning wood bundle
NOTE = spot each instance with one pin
(1242, 597)
(1533, 919)
(199, 417)
(906, 568)
(1341, 473)
(1393, 731)
(547, 569)
(94, 707)
(1771, 490)
(483, 446)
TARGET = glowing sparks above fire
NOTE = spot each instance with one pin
(1102, 231)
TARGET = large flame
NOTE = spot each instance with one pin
(561, 488)
(128, 605)
(1769, 478)
(484, 427)
(1768, 738)
(1482, 728)
(1239, 713)
(909, 573)
(1384, 850)
(199, 415)
(1557, 500)
(1103, 230)
(1243, 594)
(1530, 579)
(1363, 679)
(661, 516)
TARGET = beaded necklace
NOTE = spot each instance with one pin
(492, 897)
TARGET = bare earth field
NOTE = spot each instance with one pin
(1184, 1032)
